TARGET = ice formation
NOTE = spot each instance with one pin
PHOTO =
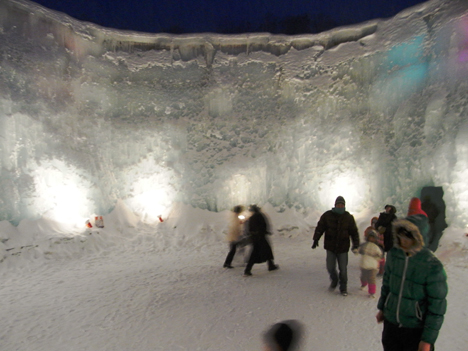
(91, 116)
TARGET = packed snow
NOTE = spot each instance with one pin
(161, 135)
(130, 286)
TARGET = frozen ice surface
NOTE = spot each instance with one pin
(91, 116)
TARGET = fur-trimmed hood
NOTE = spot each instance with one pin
(413, 229)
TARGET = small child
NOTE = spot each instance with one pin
(380, 242)
(371, 254)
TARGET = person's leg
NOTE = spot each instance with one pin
(390, 337)
(251, 261)
(230, 255)
(248, 267)
(363, 279)
(343, 267)
(271, 265)
(381, 266)
(331, 268)
(372, 281)
(395, 338)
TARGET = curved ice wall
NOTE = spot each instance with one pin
(90, 115)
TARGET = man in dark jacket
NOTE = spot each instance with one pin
(261, 249)
(339, 226)
(384, 226)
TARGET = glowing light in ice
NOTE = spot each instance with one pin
(152, 190)
(349, 185)
(61, 194)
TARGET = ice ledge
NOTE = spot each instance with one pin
(35, 20)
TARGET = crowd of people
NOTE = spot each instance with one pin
(412, 300)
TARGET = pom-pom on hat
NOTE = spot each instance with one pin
(414, 207)
(340, 200)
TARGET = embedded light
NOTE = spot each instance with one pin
(152, 189)
(348, 184)
(61, 193)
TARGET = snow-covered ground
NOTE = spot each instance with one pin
(134, 286)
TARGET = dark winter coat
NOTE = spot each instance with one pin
(385, 220)
(258, 229)
(414, 287)
(338, 229)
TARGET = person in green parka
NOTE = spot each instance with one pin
(413, 301)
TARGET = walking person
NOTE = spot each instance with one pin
(384, 225)
(371, 254)
(412, 301)
(339, 228)
(234, 233)
(258, 228)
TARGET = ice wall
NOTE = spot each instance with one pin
(90, 115)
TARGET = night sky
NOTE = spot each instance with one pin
(228, 16)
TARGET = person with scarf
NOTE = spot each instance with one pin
(339, 228)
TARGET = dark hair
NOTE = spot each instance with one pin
(402, 231)
(238, 209)
(254, 208)
(392, 209)
(285, 334)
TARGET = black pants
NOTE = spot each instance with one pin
(395, 338)
(231, 253)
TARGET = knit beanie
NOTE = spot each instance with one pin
(392, 209)
(414, 207)
(340, 200)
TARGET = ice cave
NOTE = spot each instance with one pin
(91, 116)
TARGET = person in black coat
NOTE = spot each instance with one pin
(261, 249)
(384, 225)
(339, 228)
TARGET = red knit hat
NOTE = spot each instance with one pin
(415, 207)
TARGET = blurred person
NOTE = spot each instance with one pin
(412, 302)
(435, 211)
(283, 336)
(371, 226)
(371, 254)
(234, 234)
(384, 225)
(258, 229)
(339, 227)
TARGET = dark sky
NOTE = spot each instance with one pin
(228, 16)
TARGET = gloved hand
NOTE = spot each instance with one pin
(315, 244)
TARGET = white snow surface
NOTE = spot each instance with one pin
(130, 286)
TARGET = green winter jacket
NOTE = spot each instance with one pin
(414, 286)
